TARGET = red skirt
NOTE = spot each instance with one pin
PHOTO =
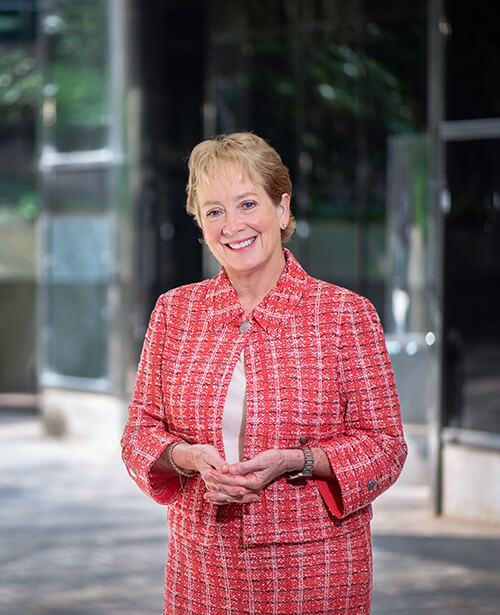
(329, 577)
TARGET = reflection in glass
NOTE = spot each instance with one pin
(20, 84)
(326, 84)
(333, 86)
(78, 189)
(77, 330)
(80, 248)
(76, 107)
(408, 326)
(472, 57)
(407, 231)
(77, 271)
(472, 286)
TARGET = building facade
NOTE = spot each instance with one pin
(387, 115)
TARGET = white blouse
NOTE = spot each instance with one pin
(234, 414)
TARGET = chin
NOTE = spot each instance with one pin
(250, 264)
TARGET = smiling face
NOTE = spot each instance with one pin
(241, 225)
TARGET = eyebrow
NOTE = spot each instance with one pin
(245, 194)
(239, 197)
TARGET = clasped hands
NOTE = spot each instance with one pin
(237, 483)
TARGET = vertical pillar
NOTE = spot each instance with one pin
(435, 110)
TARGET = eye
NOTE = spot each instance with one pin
(213, 213)
(248, 205)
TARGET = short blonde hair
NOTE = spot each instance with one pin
(257, 159)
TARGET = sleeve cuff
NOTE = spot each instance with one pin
(162, 488)
(331, 493)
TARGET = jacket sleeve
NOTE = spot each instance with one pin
(146, 434)
(368, 457)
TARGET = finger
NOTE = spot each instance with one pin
(227, 479)
(253, 482)
(216, 474)
(236, 492)
(245, 467)
(220, 499)
(216, 497)
(213, 460)
(249, 482)
(233, 492)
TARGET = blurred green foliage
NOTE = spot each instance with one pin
(20, 84)
(20, 92)
(327, 83)
(19, 200)
(77, 74)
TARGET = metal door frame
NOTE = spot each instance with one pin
(442, 132)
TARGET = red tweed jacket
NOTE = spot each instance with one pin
(317, 370)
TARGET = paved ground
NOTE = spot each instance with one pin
(78, 538)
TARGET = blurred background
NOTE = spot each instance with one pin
(387, 114)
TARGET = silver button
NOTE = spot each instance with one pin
(372, 485)
(245, 326)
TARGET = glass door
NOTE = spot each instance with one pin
(471, 148)
(472, 286)
(79, 162)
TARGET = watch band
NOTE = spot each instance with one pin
(307, 470)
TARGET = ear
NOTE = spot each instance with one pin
(284, 210)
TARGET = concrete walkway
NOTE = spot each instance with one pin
(78, 538)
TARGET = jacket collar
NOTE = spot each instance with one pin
(272, 311)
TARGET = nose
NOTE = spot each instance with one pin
(232, 222)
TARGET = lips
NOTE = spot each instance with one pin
(241, 244)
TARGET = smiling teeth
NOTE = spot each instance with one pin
(243, 244)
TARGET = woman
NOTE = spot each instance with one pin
(264, 412)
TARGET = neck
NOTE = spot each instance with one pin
(252, 287)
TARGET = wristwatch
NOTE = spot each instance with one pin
(307, 470)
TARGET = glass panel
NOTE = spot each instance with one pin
(339, 88)
(80, 249)
(77, 330)
(76, 107)
(408, 221)
(19, 203)
(472, 59)
(327, 84)
(18, 21)
(410, 339)
(472, 286)
(17, 335)
(333, 251)
(78, 265)
(20, 84)
(79, 190)
(85, 190)
(17, 249)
